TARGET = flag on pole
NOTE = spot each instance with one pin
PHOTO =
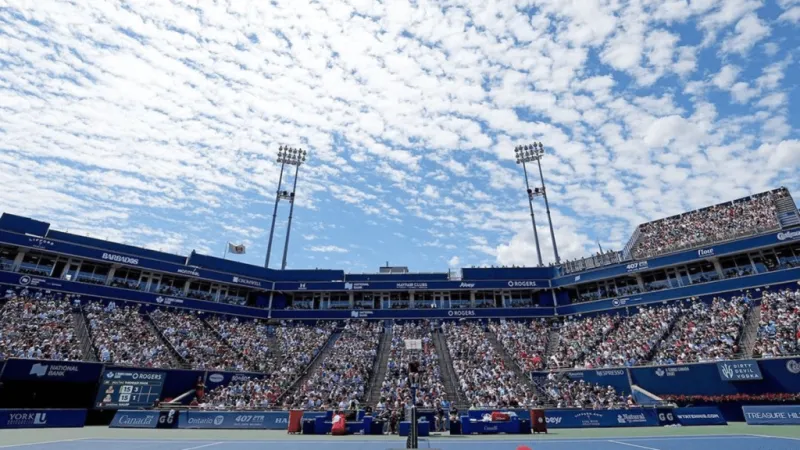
(236, 249)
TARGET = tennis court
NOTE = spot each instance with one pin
(97, 438)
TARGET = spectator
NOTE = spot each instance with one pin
(577, 337)
(567, 393)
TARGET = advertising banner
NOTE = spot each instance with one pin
(700, 415)
(258, 420)
(581, 418)
(772, 415)
(145, 419)
(745, 370)
(216, 379)
(618, 378)
(42, 418)
(43, 370)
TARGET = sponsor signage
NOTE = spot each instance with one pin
(701, 415)
(412, 285)
(121, 388)
(705, 252)
(746, 370)
(145, 419)
(606, 377)
(577, 418)
(118, 258)
(216, 379)
(73, 372)
(637, 266)
(266, 420)
(772, 415)
(788, 235)
(42, 418)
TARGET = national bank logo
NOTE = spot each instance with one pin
(793, 366)
(39, 370)
(660, 372)
(24, 280)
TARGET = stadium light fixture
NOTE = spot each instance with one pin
(526, 154)
(297, 158)
(292, 157)
(520, 154)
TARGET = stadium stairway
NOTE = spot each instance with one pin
(380, 367)
(553, 339)
(749, 333)
(448, 374)
(787, 212)
(177, 359)
(88, 351)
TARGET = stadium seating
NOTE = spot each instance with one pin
(121, 336)
(755, 214)
(779, 326)
(395, 387)
(39, 326)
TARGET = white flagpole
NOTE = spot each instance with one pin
(227, 245)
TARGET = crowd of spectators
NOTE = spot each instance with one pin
(705, 332)
(525, 342)
(634, 339)
(577, 337)
(481, 372)
(250, 337)
(779, 326)
(705, 226)
(396, 385)
(243, 395)
(38, 326)
(195, 342)
(569, 393)
(344, 373)
(121, 336)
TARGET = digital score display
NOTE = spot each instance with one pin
(129, 388)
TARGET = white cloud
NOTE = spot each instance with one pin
(454, 262)
(748, 31)
(327, 249)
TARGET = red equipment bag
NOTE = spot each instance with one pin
(498, 416)
(339, 427)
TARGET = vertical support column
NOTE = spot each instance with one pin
(291, 211)
(274, 216)
(109, 277)
(18, 260)
(533, 218)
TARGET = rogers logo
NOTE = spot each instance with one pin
(513, 283)
(466, 313)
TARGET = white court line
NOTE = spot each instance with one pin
(42, 442)
(774, 437)
(633, 445)
(202, 446)
(434, 439)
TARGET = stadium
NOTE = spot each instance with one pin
(667, 332)
(374, 225)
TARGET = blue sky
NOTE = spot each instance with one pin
(156, 123)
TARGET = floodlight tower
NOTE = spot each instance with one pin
(298, 158)
(290, 156)
(520, 154)
(535, 152)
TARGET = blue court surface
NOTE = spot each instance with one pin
(726, 442)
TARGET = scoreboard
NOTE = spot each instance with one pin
(129, 388)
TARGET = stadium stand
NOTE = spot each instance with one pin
(195, 343)
(38, 326)
(482, 375)
(705, 332)
(722, 222)
(779, 326)
(396, 386)
(525, 341)
(120, 335)
(344, 373)
(566, 393)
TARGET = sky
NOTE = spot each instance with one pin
(156, 123)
